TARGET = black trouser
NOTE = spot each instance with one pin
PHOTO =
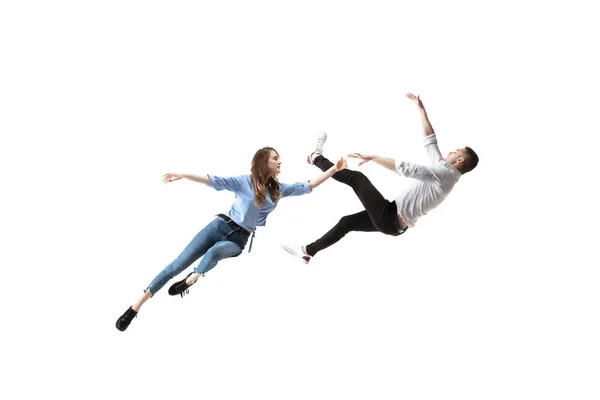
(379, 214)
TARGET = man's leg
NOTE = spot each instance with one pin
(372, 200)
(355, 222)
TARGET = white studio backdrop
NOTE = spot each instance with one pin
(493, 295)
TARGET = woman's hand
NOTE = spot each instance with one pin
(171, 177)
(341, 164)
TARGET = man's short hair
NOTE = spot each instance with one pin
(471, 159)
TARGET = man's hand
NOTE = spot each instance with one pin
(427, 128)
(416, 99)
(364, 158)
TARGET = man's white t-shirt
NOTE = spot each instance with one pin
(433, 183)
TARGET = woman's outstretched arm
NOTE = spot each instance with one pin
(170, 177)
(340, 165)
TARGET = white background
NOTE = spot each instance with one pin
(494, 295)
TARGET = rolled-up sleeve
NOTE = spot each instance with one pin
(421, 172)
(232, 183)
(295, 189)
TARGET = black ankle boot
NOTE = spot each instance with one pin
(181, 287)
(125, 319)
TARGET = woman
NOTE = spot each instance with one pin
(256, 195)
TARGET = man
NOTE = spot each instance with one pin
(432, 185)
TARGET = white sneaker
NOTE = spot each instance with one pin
(321, 142)
(297, 252)
(321, 139)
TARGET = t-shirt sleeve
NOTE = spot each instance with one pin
(423, 173)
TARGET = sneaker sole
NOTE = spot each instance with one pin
(296, 255)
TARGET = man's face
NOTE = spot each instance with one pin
(453, 156)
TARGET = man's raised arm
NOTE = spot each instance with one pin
(427, 128)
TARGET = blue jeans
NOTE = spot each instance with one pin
(217, 241)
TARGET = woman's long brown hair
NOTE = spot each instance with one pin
(261, 179)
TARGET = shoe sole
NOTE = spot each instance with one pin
(296, 255)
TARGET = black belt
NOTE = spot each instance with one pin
(235, 226)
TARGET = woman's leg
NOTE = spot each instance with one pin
(140, 302)
(230, 245)
(355, 222)
(372, 200)
(221, 250)
(201, 243)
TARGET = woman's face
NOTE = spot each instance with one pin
(274, 163)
